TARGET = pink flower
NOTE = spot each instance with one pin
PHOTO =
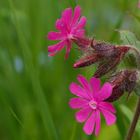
(68, 27)
(91, 102)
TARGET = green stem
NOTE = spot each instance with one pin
(134, 122)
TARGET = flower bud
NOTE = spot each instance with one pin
(82, 43)
(108, 56)
(123, 81)
(87, 60)
(103, 48)
(110, 62)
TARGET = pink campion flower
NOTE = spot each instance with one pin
(69, 27)
(91, 102)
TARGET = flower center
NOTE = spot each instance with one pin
(70, 36)
(93, 104)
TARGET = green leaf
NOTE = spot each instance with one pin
(128, 38)
(129, 115)
(133, 60)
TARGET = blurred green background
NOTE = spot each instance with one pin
(34, 90)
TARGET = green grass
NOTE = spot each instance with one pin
(34, 90)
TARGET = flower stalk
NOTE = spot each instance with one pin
(134, 122)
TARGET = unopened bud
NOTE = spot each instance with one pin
(103, 48)
(108, 56)
(123, 81)
(110, 63)
(87, 60)
(82, 42)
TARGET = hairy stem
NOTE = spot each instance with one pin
(134, 122)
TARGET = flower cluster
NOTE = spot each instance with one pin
(92, 100)
(106, 55)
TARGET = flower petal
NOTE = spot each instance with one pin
(53, 49)
(89, 124)
(78, 90)
(67, 16)
(81, 23)
(83, 114)
(98, 123)
(107, 106)
(77, 13)
(68, 48)
(95, 86)
(85, 84)
(79, 33)
(105, 91)
(55, 36)
(77, 103)
(109, 117)
(60, 25)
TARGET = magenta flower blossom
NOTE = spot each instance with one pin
(68, 27)
(91, 102)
